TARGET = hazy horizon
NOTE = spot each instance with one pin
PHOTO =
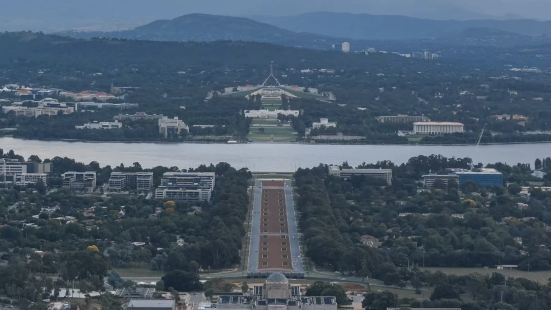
(55, 15)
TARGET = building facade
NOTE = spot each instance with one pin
(186, 186)
(401, 119)
(347, 173)
(437, 128)
(324, 123)
(483, 177)
(171, 127)
(435, 180)
(135, 181)
(79, 181)
(276, 293)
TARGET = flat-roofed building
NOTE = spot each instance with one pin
(486, 177)
(324, 123)
(151, 304)
(136, 181)
(347, 173)
(440, 180)
(186, 186)
(31, 178)
(79, 181)
(138, 116)
(437, 128)
(401, 119)
(10, 169)
(171, 127)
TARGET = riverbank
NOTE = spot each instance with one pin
(238, 142)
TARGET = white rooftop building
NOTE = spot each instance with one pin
(171, 126)
(437, 128)
(324, 122)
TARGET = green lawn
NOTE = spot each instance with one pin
(537, 276)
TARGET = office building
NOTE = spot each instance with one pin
(131, 181)
(79, 181)
(171, 127)
(25, 179)
(186, 186)
(482, 177)
(44, 107)
(440, 180)
(401, 119)
(437, 128)
(347, 173)
(151, 304)
(276, 293)
(9, 169)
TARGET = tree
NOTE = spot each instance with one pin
(444, 291)
(320, 288)
(379, 301)
(182, 280)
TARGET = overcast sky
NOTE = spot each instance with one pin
(51, 15)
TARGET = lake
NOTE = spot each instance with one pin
(265, 156)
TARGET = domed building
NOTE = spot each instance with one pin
(276, 293)
(277, 286)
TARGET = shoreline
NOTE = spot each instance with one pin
(264, 143)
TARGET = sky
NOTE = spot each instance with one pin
(56, 15)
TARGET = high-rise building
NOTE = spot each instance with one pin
(186, 186)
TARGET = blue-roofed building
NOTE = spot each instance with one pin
(482, 177)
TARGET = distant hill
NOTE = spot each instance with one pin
(208, 28)
(394, 27)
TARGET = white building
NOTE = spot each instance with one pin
(324, 123)
(345, 47)
(44, 107)
(31, 178)
(80, 181)
(276, 293)
(138, 181)
(101, 125)
(10, 169)
(186, 186)
(437, 128)
(270, 114)
(347, 173)
(171, 126)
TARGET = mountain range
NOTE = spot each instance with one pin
(395, 27)
(326, 30)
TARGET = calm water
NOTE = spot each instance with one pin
(264, 157)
